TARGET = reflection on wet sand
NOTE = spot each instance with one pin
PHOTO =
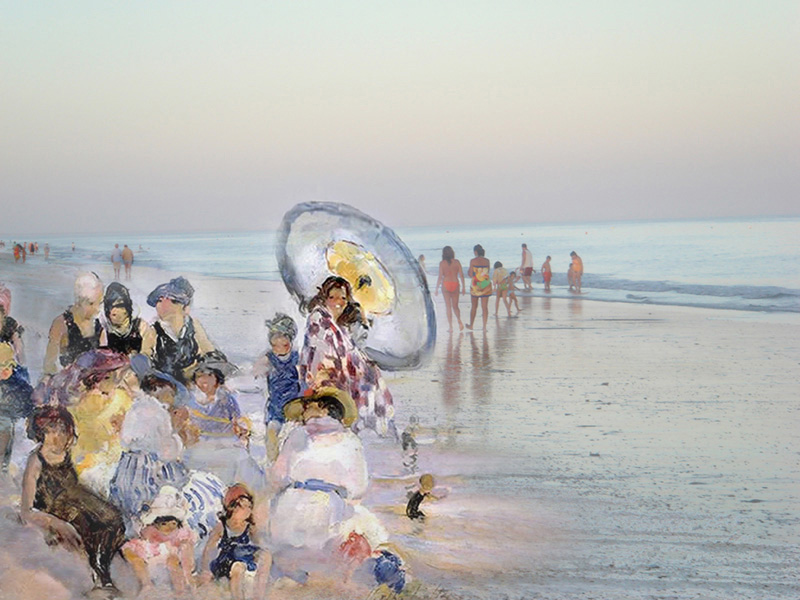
(451, 373)
(481, 368)
(575, 307)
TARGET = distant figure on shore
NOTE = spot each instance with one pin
(116, 260)
(571, 278)
(73, 246)
(500, 281)
(77, 329)
(127, 258)
(121, 331)
(421, 261)
(481, 285)
(46, 251)
(526, 268)
(450, 270)
(577, 270)
(547, 274)
(180, 339)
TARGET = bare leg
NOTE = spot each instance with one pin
(139, 567)
(237, 579)
(264, 561)
(473, 311)
(6, 445)
(484, 309)
(449, 309)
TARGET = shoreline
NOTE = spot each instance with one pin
(588, 449)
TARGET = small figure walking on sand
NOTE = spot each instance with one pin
(547, 274)
(526, 267)
(127, 259)
(449, 272)
(481, 286)
(577, 271)
(500, 280)
(116, 260)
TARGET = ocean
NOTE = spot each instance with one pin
(739, 264)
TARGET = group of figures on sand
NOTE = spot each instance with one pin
(500, 282)
(142, 449)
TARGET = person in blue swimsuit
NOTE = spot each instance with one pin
(236, 540)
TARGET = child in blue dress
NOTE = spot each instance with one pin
(238, 550)
(279, 365)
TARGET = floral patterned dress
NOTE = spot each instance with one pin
(331, 357)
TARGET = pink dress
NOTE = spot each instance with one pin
(152, 546)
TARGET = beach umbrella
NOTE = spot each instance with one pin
(320, 239)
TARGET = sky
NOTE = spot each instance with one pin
(184, 116)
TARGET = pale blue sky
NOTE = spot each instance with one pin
(193, 115)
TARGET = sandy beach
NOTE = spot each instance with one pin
(584, 449)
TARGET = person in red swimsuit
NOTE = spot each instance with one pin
(449, 272)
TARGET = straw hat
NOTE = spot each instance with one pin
(293, 410)
(168, 503)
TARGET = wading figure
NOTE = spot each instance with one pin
(481, 285)
(450, 270)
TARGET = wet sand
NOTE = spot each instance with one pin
(583, 449)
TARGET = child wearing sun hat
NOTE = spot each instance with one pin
(163, 541)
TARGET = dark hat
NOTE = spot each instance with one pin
(178, 290)
(217, 363)
(117, 294)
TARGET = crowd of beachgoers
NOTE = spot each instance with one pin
(142, 449)
(497, 281)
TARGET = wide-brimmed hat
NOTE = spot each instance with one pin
(168, 503)
(178, 290)
(215, 361)
(95, 364)
(293, 410)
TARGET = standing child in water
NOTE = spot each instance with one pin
(279, 365)
(500, 280)
(236, 540)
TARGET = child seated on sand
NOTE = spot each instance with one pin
(163, 542)
(235, 540)
(279, 366)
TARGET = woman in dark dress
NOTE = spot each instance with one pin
(122, 332)
(53, 499)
